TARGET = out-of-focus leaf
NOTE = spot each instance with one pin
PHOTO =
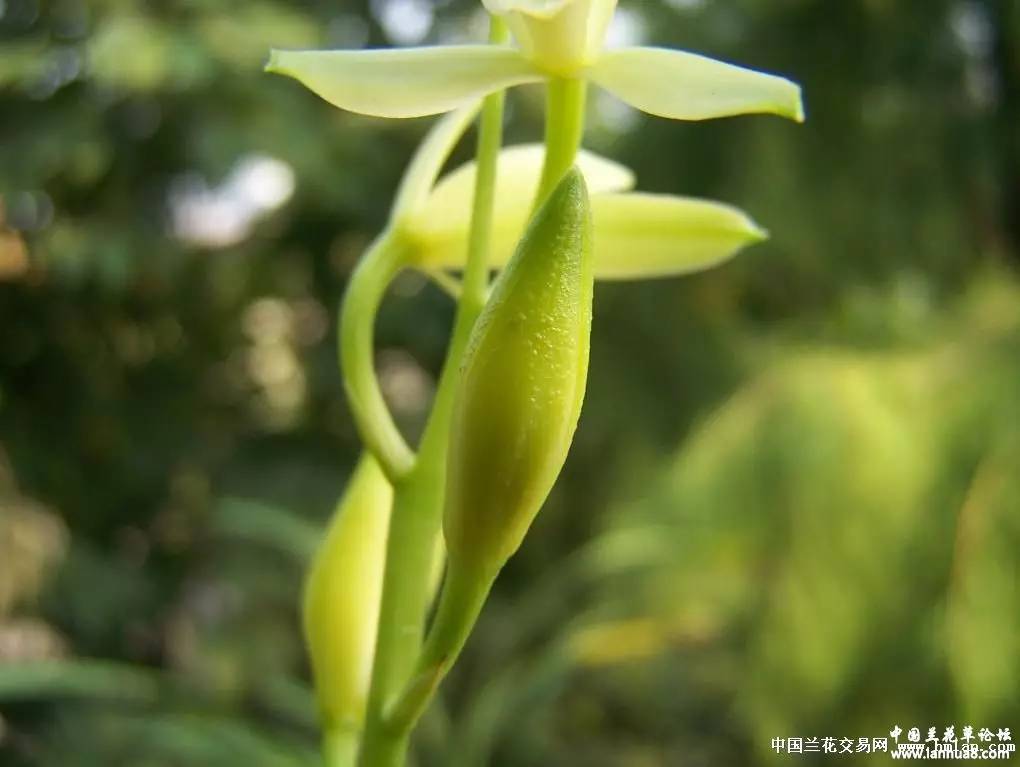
(983, 622)
(266, 525)
(77, 679)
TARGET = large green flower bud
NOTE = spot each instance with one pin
(342, 593)
(521, 388)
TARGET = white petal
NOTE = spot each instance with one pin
(644, 236)
(405, 82)
(440, 227)
(686, 86)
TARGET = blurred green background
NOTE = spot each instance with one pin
(793, 505)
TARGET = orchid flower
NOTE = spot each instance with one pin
(556, 40)
(637, 235)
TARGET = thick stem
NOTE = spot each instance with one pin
(418, 501)
(464, 595)
(340, 748)
(564, 128)
(406, 594)
(365, 293)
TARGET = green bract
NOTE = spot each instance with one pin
(557, 39)
(522, 384)
(341, 602)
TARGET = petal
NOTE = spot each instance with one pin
(407, 82)
(637, 236)
(429, 159)
(440, 227)
(686, 86)
(644, 236)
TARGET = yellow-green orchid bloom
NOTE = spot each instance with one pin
(637, 236)
(555, 39)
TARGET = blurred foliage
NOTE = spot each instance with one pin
(792, 507)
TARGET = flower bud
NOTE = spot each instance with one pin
(342, 595)
(521, 388)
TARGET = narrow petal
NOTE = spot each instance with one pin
(637, 236)
(645, 236)
(429, 159)
(440, 226)
(686, 86)
(406, 82)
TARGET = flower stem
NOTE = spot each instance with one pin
(418, 499)
(564, 128)
(406, 593)
(365, 293)
(340, 748)
(464, 595)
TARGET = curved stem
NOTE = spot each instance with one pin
(365, 293)
(564, 128)
(418, 500)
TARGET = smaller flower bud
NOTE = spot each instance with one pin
(522, 384)
(342, 595)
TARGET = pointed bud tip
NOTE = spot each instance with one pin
(757, 233)
(573, 178)
(571, 186)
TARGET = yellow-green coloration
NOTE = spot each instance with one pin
(522, 385)
(342, 593)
